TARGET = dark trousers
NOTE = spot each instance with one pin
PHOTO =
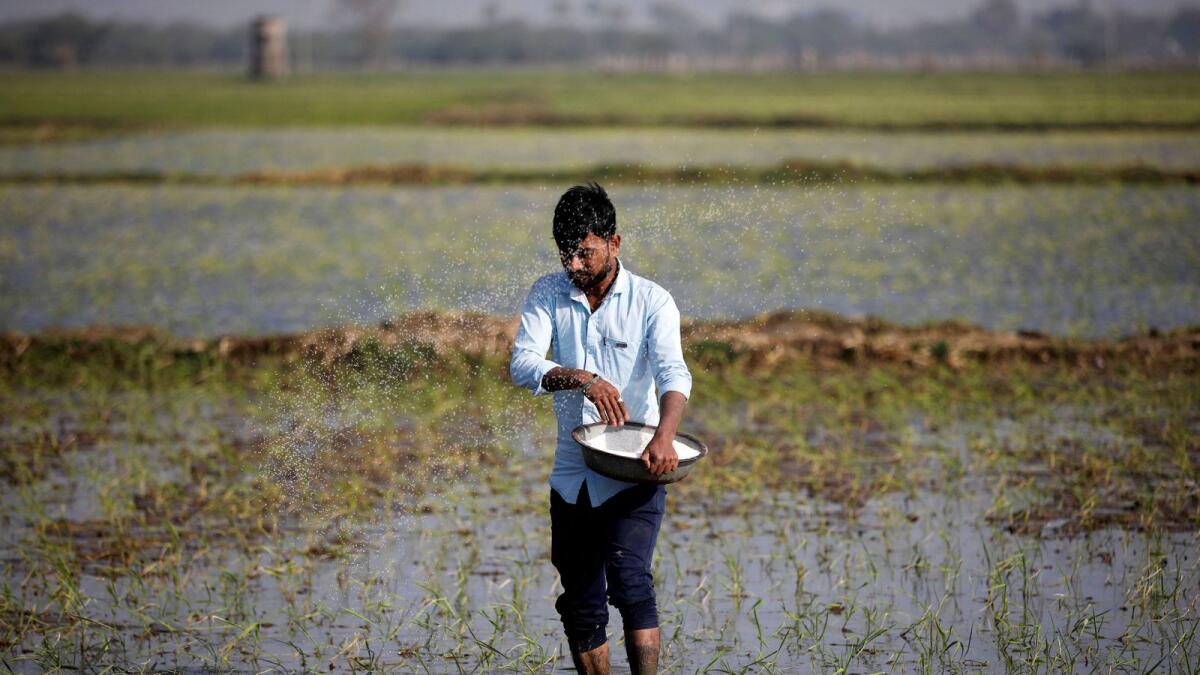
(605, 550)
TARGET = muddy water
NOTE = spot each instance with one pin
(795, 579)
(792, 582)
(136, 534)
(776, 578)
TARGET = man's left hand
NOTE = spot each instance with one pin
(660, 457)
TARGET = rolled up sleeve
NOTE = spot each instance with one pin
(666, 351)
(529, 364)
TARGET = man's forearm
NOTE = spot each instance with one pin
(561, 377)
(671, 405)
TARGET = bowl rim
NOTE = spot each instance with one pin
(578, 432)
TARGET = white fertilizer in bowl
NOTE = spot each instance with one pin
(630, 442)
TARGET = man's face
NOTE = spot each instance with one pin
(591, 261)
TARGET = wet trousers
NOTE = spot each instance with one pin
(602, 551)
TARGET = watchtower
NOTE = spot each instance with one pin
(268, 48)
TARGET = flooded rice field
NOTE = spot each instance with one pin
(394, 518)
(199, 261)
(876, 499)
(230, 152)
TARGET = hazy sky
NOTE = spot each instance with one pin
(451, 12)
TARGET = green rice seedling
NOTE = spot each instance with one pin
(871, 238)
(820, 561)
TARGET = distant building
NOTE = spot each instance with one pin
(268, 48)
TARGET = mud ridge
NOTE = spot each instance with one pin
(767, 340)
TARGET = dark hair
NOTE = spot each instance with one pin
(583, 209)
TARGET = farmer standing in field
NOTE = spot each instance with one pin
(615, 340)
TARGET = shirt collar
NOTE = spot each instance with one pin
(620, 284)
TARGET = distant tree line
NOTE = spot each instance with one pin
(995, 32)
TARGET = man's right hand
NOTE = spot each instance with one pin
(608, 402)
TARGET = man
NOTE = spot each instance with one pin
(615, 339)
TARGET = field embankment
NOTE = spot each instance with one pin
(796, 172)
(763, 341)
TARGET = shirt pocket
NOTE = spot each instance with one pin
(620, 356)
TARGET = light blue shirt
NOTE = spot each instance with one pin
(632, 340)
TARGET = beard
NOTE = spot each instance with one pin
(588, 282)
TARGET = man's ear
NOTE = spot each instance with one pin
(616, 242)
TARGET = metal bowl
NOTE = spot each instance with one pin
(630, 469)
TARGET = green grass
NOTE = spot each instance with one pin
(997, 100)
